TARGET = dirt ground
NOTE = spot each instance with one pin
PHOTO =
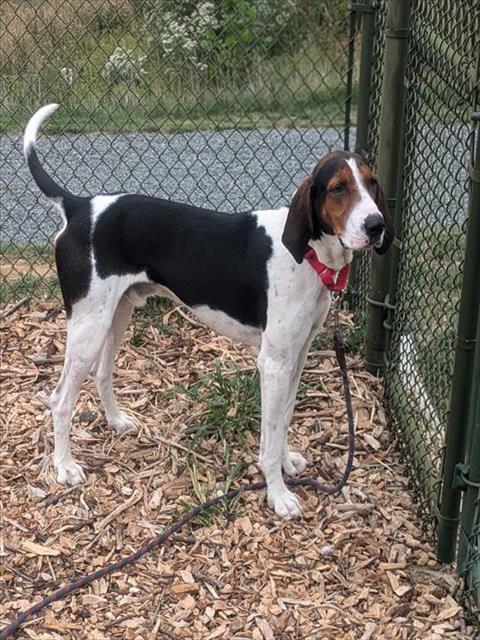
(12, 271)
(356, 566)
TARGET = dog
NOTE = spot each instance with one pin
(247, 275)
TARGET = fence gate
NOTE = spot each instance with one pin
(422, 309)
(223, 105)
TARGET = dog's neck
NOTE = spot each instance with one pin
(330, 252)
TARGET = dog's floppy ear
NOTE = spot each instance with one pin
(389, 233)
(299, 225)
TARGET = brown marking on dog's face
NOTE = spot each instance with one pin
(341, 194)
(369, 179)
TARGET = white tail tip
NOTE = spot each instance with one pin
(34, 124)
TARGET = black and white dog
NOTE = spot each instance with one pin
(243, 275)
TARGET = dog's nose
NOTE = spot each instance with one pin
(374, 225)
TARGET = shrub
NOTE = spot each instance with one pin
(219, 36)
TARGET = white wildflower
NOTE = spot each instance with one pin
(68, 75)
(180, 37)
(123, 65)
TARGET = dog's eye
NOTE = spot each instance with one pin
(338, 190)
(374, 183)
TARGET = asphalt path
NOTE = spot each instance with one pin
(225, 170)
(233, 170)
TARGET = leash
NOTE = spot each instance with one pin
(59, 594)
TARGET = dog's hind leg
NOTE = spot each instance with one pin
(103, 369)
(87, 329)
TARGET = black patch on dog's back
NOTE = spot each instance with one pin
(204, 257)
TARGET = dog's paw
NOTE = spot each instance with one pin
(123, 422)
(70, 472)
(285, 504)
(293, 463)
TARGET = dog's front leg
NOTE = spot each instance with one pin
(293, 462)
(275, 368)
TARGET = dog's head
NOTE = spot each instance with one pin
(340, 197)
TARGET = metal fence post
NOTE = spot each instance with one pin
(469, 555)
(363, 108)
(389, 171)
(456, 432)
(349, 82)
(364, 76)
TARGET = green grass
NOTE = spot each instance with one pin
(231, 405)
(428, 299)
(231, 401)
(434, 266)
(27, 271)
(427, 312)
(148, 315)
(353, 338)
(29, 286)
(202, 491)
(300, 87)
(29, 252)
(302, 84)
(151, 109)
(230, 398)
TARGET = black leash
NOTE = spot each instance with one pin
(339, 348)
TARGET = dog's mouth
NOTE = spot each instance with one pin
(368, 243)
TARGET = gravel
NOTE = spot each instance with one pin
(226, 170)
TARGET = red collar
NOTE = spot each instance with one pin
(332, 279)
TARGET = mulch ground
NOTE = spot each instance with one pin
(356, 566)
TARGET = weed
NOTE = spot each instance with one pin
(228, 509)
(151, 315)
(27, 270)
(29, 252)
(29, 285)
(352, 336)
(231, 402)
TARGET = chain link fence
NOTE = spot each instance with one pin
(434, 211)
(224, 104)
(228, 105)
(441, 93)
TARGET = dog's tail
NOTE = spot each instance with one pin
(45, 183)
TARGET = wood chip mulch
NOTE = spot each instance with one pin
(356, 566)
